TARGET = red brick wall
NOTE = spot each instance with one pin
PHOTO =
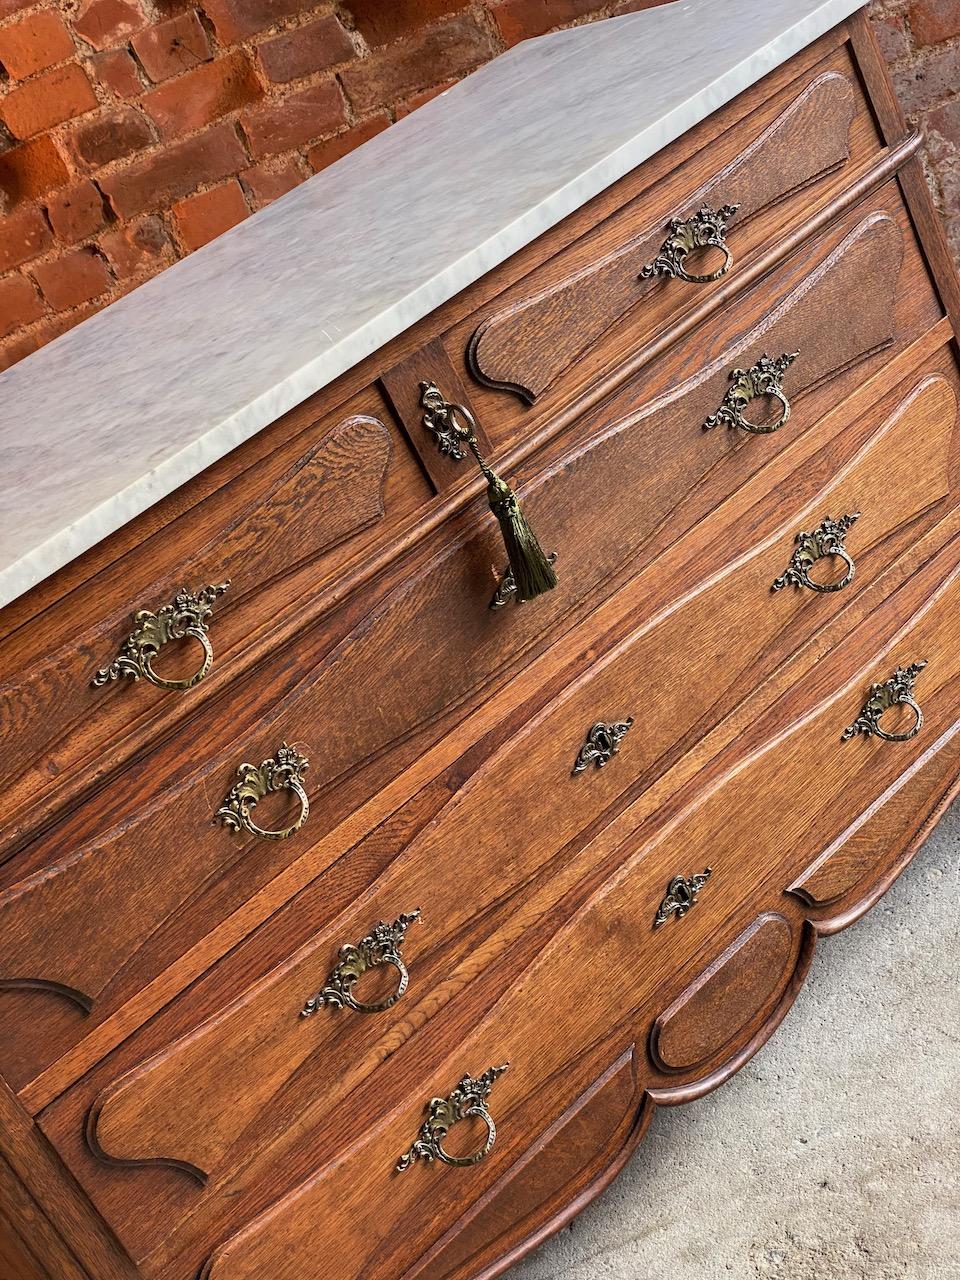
(134, 131)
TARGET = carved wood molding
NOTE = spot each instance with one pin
(527, 345)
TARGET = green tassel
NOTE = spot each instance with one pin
(532, 571)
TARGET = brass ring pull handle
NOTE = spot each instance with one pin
(602, 743)
(283, 772)
(683, 892)
(824, 541)
(705, 230)
(187, 616)
(469, 1099)
(380, 947)
(895, 692)
(764, 378)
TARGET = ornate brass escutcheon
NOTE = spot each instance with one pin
(507, 590)
(603, 742)
(380, 947)
(468, 1099)
(440, 418)
(283, 772)
(824, 541)
(764, 378)
(705, 230)
(186, 617)
(895, 692)
(682, 894)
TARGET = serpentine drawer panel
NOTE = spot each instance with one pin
(55, 729)
(170, 1109)
(600, 1128)
(59, 733)
(777, 152)
(609, 967)
(841, 300)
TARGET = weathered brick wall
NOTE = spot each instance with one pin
(134, 131)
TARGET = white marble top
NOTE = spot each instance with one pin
(138, 399)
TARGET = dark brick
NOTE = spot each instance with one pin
(301, 52)
(891, 32)
(77, 276)
(76, 212)
(448, 50)
(104, 23)
(933, 21)
(287, 123)
(928, 81)
(23, 235)
(137, 247)
(20, 304)
(155, 181)
(326, 153)
(117, 71)
(381, 23)
(234, 20)
(203, 95)
(942, 129)
(112, 135)
(172, 47)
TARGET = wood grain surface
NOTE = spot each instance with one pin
(176, 1118)
(524, 347)
(432, 630)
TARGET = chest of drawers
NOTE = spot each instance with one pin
(356, 915)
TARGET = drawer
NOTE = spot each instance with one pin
(550, 335)
(276, 532)
(175, 876)
(519, 811)
(59, 736)
(603, 975)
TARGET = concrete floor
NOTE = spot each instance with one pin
(835, 1153)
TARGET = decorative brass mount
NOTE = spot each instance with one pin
(283, 772)
(704, 230)
(440, 418)
(468, 1099)
(186, 616)
(895, 692)
(683, 893)
(603, 742)
(531, 570)
(507, 589)
(381, 946)
(826, 540)
(762, 379)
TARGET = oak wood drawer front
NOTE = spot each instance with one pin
(59, 736)
(670, 672)
(608, 964)
(587, 307)
(524, 345)
(843, 301)
(272, 533)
